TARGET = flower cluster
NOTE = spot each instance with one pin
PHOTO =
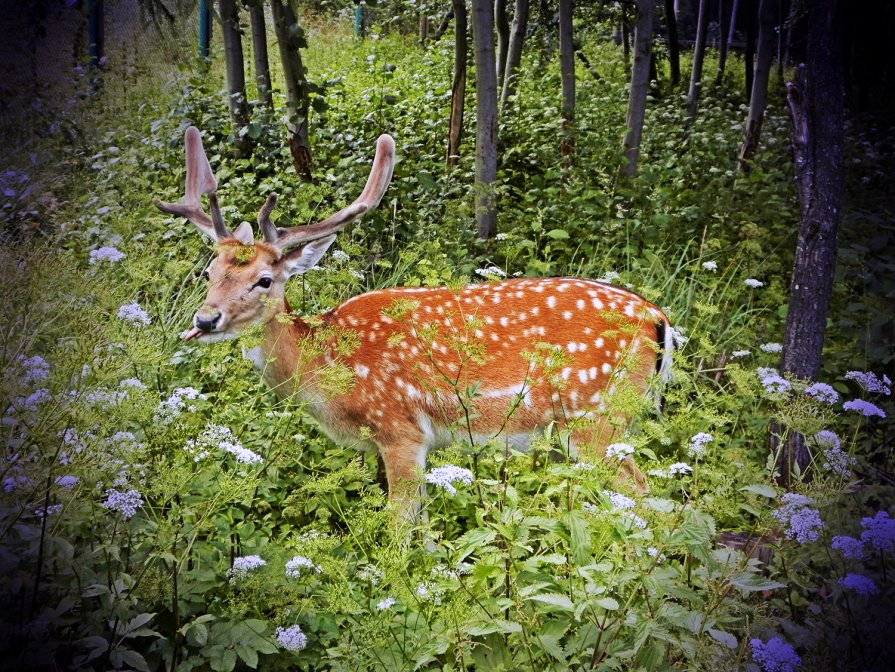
(860, 584)
(445, 476)
(835, 459)
(849, 547)
(871, 382)
(106, 253)
(879, 531)
(865, 408)
(490, 272)
(619, 450)
(753, 283)
(386, 603)
(710, 265)
(698, 442)
(34, 370)
(801, 521)
(176, 403)
(736, 354)
(134, 314)
(243, 565)
(429, 590)
(772, 381)
(68, 482)
(291, 638)
(125, 503)
(370, 573)
(295, 566)
(217, 437)
(619, 501)
(679, 468)
(771, 347)
(822, 392)
(775, 656)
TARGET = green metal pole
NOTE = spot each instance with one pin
(359, 20)
(204, 29)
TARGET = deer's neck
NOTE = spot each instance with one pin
(282, 356)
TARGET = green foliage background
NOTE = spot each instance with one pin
(531, 567)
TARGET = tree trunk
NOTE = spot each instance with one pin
(458, 88)
(567, 75)
(514, 52)
(486, 118)
(749, 58)
(816, 107)
(626, 35)
(643, 29)
(424, 26)
(702, 25)
(502, 24)
(259, 49)
(674, 51)
(725, 20)
(290, 38)
(767, 15)
(236, 80)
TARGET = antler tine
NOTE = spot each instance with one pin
(199, 180)
(377, 183)
(220, 229)
(268, 229)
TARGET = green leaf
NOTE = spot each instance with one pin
(754, 582)
(761, 489)
(121, 657)
(659, 504)
(554, 600)
(248, 655)
(724, 638)
(552, 646)
(607, 603)
(558, 234)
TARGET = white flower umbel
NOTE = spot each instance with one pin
(619, 450)
(133, 314)
(447, 475)
(300, 565)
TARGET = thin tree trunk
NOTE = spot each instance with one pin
(626, 35)
(725, 20)
(502, 24)
(259, 49)
(289, 39)
(643, 29)
(767, 15)
(486, 118)
(424, 26)
(751, 29)
(567, 75)
(443, 26)
(458, 88)
(674, 50)
(816, 107)
(236, 82)
(702, 24)
(514, 52)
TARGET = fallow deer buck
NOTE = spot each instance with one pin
(496, 359)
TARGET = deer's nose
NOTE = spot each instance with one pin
(207, 319)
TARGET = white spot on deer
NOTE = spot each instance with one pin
(519, 295)
(566, 372)
(361, 370)
(563, 286)
(551, 302)
(573, 397)
(599, 342)
(597, 304)
(579, 304)
(617, 355)
(592, 373)
(622, 343)
(494, 337)
(572, 347)
(495, 299)
(538, 288)
(522, 316)
(440, 310)
(489, 319)
(588, 331)
(428, 309)
(582, 375)
(535, 310)
(607, 367)
(353, 321)
(478, 333)
(372, 336)
(555, 397)
(567, 314)
(504, 321)
(582, 347)
(467, 300)
(412, 392)
(542, 331)
(629, 310)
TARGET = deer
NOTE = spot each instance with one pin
(427, 365)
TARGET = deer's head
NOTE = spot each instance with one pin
(247, 278)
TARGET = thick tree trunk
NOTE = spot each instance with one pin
(567, 75)
(236, 81)
(816, 106)
(514, 52)
(725, 21)
(289, 39)
(702, 24)
(674, 50)
(643, 29)
(486, 118)
(259, 49)
(458, 88)
(767, 15)
(502, 24)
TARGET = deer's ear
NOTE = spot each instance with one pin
(305, 257)
(244, 234)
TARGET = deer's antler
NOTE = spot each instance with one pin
(377, 183)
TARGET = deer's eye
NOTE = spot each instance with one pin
(264, 282)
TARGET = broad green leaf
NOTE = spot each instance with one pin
(761, 489)
(753, 582)
(607, 603)
(724, 638)
(558, 234)
(555, 600)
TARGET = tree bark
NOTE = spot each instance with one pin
(767, 15)
(486, 118)
(749, 58)
(674, 51)
(502, 24)
(259, 50)
(514, 52)
(643, 29)
(702, 24)
(458, 88)
(816, 103)
(236, 81)
(725, 20)
(290, 38)
(567, 75)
